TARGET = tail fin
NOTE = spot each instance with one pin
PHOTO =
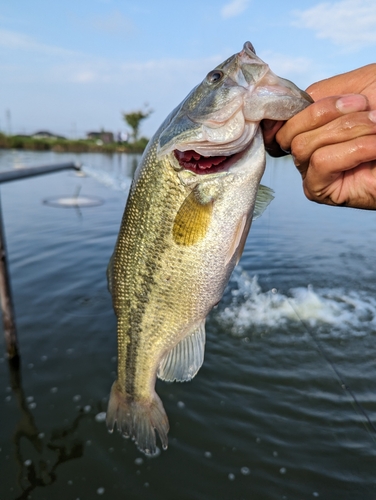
(138, 419)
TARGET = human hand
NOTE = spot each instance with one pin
(333, 141)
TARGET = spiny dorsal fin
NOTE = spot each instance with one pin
(192, 221)
(185, 359)
(263, 198)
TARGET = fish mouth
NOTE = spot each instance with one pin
(203, 165)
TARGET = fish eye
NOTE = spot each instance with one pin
(214, 76)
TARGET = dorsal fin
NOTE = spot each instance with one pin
(186, 358)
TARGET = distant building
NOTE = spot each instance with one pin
(105, 137)
(44, 134)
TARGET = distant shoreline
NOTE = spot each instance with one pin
(70, 145)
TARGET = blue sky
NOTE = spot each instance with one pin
(74, 66)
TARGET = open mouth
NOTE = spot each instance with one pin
(193, 161)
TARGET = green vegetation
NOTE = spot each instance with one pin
(70, 145)
(134, 119)
(59, 144)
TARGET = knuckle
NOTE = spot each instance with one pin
(318, 158)
(299, 147)
(316, 112)
(308, 193)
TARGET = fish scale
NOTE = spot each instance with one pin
(181, 235)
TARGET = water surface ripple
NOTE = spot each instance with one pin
(270, 414)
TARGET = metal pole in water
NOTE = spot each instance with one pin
(10, 331)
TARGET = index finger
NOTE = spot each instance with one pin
(318, 114)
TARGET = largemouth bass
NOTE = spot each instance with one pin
(184, 228)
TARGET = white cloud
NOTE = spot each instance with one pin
(13, 40)
(301, 70)
(284, 65)
(234, 8)
(84, 76)
(349, 23)
(144, 73)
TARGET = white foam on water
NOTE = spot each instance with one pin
(251, 307)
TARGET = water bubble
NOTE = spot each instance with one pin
(231, 476)
(43, 358)
(139, 461)
(275, 453)
(32, 406)
(315, 494)
(53, 390)
(258, 440)
(100, 417)
(41, 435)
(87, 408)
(181, 404)
(146, 485)
(208, 454)
(8, 398)
(283, 470)
(76, 398)
(100, 491)
(69, 351)
(30, 399)
(27, 463)
(70, 482)
(245, 471)
(30, 365)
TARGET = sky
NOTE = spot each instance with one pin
(75, 66)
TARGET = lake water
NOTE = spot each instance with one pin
(284, 406)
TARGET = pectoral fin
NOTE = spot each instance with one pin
(192, 220)
(185, 359)
(263, 198)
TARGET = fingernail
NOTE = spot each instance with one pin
(372, 116)
(350, 103)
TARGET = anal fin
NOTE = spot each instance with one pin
(185, 359)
